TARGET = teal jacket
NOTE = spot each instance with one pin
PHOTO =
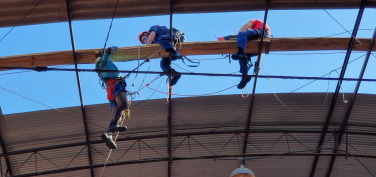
(106, 64)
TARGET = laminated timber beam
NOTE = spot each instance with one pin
(189, 48)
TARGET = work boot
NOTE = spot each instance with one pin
(243, 82)
(239, 55)
(107, 138)
(114, 126)
(175, 55)
(175, 78)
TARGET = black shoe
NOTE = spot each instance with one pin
(243, 82)
(239, 55)
(176, 55)
(107, 138)
(174, 79)
(114, 126)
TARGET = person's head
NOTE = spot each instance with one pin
(98, 57)
(143, 37)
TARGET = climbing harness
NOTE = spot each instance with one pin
(196, 62)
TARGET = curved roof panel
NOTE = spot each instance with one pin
(50, 11)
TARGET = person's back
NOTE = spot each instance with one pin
(106, 64)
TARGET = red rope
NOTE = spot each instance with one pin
(190, 95)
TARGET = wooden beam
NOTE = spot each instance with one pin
(189, 48)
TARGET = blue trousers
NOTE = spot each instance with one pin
(165, 42)
(166, 65)
(244, 66)
(246, 35)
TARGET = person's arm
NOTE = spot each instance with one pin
(246, 26)
(150, 38)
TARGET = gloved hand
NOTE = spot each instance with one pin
(113, 48)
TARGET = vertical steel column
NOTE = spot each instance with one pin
(336, 93)
(244, 150)
(348, 112)
(79, 85)
(7, 162)
(170, 103)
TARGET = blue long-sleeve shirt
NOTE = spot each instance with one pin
(160, 31)
(106, 64)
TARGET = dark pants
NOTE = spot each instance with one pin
(246, 35)
(246, 64)
(166, 65)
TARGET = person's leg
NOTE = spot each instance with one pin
(166, 67)
(242, 40)
(122, 104)
(165, 42)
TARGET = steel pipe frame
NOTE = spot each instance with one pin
(204, 74)
(248, 123)
(352, 102)
(342, 74)
(172, 135)
(79, 84)
(169, 118)
(4, 150)
(182, 158)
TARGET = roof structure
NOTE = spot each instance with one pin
(49, 11)
(194, 136)
(280, 143)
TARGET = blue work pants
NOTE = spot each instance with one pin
(166, 65)
(247, 35)
(246, 64)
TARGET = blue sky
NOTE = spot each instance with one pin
(59, 89)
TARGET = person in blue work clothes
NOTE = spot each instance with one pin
(116, 93)
(249, 31)
(161, 35)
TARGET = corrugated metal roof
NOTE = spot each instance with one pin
(49, 11)
(207, 137)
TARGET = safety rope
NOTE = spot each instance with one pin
(108, 33)
(245, 88)
(190, 95)
(124, 115)
(312, 110)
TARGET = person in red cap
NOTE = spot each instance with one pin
(249, 31)
(161, 35)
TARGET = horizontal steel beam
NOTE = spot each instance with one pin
(41, 69)
(173, 135)
(235, 156)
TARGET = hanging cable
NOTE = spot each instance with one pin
(108, 33)
(49, 106)
(191, 95)
(21, 20)
(312, 110)
(284, 95)
(337, 22)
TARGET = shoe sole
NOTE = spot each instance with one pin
(121, 129)
(245, 82)
(109, 143)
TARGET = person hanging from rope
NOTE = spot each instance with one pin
(161, 35)
(250, 31)
(116, 93)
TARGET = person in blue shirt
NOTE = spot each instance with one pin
(116, 93)
(161, 35)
